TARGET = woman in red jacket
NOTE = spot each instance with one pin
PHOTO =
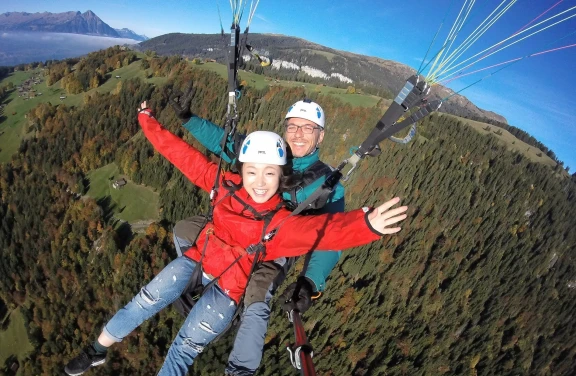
(221, 245)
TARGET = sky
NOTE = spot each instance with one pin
(534, 94)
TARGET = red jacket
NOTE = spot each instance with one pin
(234, 229)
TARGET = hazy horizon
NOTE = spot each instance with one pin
(21, 47)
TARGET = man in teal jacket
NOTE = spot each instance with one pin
(304, 132)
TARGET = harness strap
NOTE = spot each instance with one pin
(257, 215)
(259, 251)
(314, 172)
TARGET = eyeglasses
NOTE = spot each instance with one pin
(307, 129)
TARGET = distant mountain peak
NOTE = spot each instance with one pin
(74, 22)
(127, 33)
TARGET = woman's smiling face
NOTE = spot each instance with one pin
(261, 180)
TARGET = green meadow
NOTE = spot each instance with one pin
(130, 203)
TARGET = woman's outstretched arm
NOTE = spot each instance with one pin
(298, 235)
(191, 162)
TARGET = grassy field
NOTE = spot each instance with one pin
(509, 140)
(131, 203)
(126, 73)
(14, 340)
(13, 128)
(329, 55)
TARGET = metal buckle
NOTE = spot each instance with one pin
(253, 248)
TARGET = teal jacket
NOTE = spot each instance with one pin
(321, 262)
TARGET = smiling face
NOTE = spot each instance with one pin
(261, 180)
(302, 143)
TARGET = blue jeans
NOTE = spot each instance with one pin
(249, 343)
(209, 317)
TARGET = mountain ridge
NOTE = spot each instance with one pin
(295, 58)
(72, 22)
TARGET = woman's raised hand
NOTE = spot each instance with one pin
(383, 216)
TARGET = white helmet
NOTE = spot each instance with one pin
(306, 109)
(263, 147)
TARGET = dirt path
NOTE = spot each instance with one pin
(140, 226)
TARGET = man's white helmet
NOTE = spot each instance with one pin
(306, 109)
(263, 147)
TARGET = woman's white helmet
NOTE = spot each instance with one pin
(306, 109)
(263, 147)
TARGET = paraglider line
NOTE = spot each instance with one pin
(434, 39)
(444, 46)
(512, 43)
(554, 49)
(535, 19)
(471, 39)
(507, 62)
(514, 62)
(498, 44)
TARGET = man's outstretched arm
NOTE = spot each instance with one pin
(209, 135)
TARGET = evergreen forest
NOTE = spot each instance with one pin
(480, 281)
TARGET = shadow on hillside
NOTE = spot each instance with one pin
(9, 363)
(3, 310)
(86, 184)
(362, 282)
(107, 208)
(105, 79)
(5, 322)
(124, 231)
(122, 228)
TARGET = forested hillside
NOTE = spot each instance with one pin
(481, 279)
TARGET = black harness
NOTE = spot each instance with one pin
(314, 172)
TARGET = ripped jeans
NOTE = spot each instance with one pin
(210, 315)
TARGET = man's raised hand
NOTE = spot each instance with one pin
(180, 102)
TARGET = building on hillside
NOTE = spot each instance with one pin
(119, 183)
